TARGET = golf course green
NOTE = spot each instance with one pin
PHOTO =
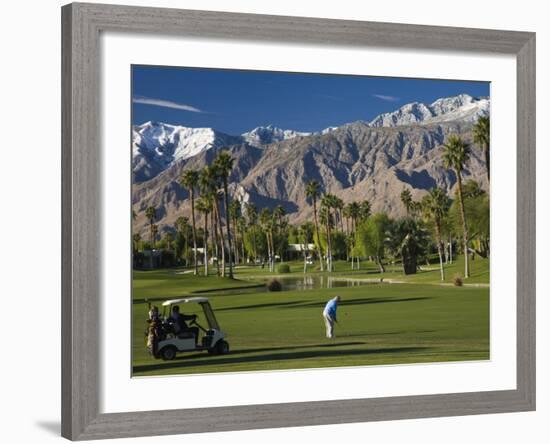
(403, 319)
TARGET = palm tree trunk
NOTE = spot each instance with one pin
(317, 233)
(214, 224)
(254, 245)
(152, 244)
(379, 263)
(272, 261)
(305, 254)
(206, 243)
(243, 257)
(329, 245)
(464, 227)
(228, 227)
(439, 247)
(195, 264)
(330, 236)
(221, 238)
(268, 250)
(235, 241)
(186, 246)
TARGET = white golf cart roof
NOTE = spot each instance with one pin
(184, 301)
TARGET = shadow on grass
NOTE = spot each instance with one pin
(277, 356)
(266, 305)
(374, 300)
(302, 303)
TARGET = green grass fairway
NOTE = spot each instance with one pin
(413, 322)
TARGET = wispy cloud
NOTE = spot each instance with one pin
(386, 98)
(166, 104)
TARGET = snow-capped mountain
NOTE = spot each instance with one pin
(156, 145)
(462, 107)
(329, 129)
(263, 135)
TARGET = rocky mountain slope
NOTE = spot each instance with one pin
(356, 161)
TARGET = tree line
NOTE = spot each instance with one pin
(234, 232)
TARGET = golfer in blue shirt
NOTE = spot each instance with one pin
(329, 315)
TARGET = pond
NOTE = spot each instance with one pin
(300, 283)
(316, 282)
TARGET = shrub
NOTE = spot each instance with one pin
(274, 285)
(283, 268)
(458, 280)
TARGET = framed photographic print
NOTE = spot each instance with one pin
(293, 221)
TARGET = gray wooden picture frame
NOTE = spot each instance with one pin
(81, 252)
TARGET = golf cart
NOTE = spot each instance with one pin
(165, 342)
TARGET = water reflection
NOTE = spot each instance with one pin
(317, 282)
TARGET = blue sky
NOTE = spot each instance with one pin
(235, 101)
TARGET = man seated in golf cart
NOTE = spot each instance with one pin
(178, 320)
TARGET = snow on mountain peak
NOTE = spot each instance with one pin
(156, 145)
(269, 134)
(460, 107)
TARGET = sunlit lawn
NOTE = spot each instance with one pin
(414, 322)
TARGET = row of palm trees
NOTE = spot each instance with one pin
(208, 182)
(331, 215)
(229, 229)
(435, 205)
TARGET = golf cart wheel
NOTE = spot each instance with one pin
(168, 353)
(222, 347)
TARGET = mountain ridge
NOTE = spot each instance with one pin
(156, 145)
(355, 162)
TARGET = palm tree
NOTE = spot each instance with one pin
(354, 212)
(136, 239)
(278, 214)
(169, 238)
(407, 239)
(224, 165)
(182, 227)
(346, 215)
(190, 180)
(364, 210)
(456, 155)
(154, 232)
(416, 208)
(435, 206)
(266, 220)
(406, 199)
(204, 206)
(151, 215)
(305, 233)
(482, 136)
(324, 218)
(241, 228)
(338, 205)
(252, 216)
(209, 183)
(235, 213)
(312, 192)
(328, 202)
